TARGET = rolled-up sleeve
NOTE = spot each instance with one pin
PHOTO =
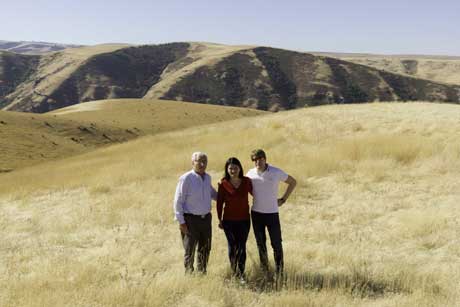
(179, 200)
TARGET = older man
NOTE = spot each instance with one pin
(264, 212)
(192, 207)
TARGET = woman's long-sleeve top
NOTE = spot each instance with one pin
(233, 201)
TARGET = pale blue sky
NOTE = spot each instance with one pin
(389, 27)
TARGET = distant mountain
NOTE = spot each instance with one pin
(33, 47)
(245, 76)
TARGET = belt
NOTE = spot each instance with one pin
(198, 215)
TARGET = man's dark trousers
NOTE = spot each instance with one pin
(199, 234)
(271, 221)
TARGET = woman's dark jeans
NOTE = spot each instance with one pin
(237, 235)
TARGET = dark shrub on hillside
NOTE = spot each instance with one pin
(349, 87)
(401, 86)
(234, 92)
(282, 84)
(16, 68)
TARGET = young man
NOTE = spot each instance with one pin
(192, 207)
(264, 213)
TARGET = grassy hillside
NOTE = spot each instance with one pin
(125, 73)
(27, 139)
(246, 76)
(52, 70)
(435, 68)
(14, 69)
(276, 79)
(374, 220)
(199, 54)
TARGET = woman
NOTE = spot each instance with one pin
(232, 201)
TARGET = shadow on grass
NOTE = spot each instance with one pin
(356, 284)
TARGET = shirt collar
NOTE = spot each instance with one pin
(266, 170)
(198, 175)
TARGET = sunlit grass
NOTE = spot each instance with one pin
(373, 221)
(27, 138)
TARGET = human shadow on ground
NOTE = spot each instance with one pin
(358, 284)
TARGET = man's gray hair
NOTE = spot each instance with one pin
(197, 155)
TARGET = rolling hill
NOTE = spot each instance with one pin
(374, 220)
(246, 76)
(46, 74)
(443, 69)
(28, 139)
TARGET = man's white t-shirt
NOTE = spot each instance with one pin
(265, 188)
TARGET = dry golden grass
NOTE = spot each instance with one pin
(373, 222)
(27, 139)
(150, 116)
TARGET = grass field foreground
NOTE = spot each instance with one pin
(374, 220)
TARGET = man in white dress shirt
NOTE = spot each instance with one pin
(192, 209)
